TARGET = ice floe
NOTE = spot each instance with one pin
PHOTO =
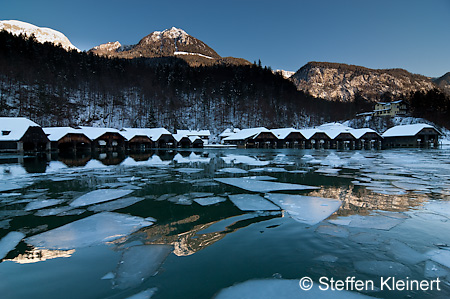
(262, 186)
(92, 230)
(9, 242)
(433, 270)
(333, 230)
(252, 202)
(306, 209)
(36, 205)
(146, 294)
(98, 196)
(440, 256)
(139, 263)
(404, 253)
(233, 170)
(281, 288)
(383, 268)
(115, 204)
(207, 201)
(6, 186)
(374, 221)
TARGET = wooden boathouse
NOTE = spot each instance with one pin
(415, 135)
(19, 134)
(65, 139)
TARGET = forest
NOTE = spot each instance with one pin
(54, 87)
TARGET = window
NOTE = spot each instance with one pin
(5, 133)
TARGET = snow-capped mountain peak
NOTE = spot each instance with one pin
(172, 33)
(42, 34)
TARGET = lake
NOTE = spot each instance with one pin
(225, 223)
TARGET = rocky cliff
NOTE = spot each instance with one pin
(342, 82)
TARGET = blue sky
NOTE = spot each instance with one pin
(284, 34)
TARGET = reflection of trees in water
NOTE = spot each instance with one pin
(356, 200)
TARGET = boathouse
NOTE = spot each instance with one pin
(19, 134)
(108, 139)
(415, 135)
(67, 139)
(367, 138)
(136, 140)
(289, 138)
(202, 134)
(160, 137)
(253, 138)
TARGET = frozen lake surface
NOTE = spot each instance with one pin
(223, 223)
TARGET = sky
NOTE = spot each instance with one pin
(283, 34)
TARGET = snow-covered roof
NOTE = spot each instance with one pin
(308, 133)
(246, 134)
(358, 133)
(194, 133)
(407, 130)
(195, 138)
(16, 126)
(153, 133)
(333, 130)
(282, 133)
(128, 135)
(56, 133)
(228, 132)
(95, 132)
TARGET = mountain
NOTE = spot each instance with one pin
(168, 43)
(42, 34)
(443, 83)
(342, 82)
(285, 74)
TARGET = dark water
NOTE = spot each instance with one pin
(394, 210)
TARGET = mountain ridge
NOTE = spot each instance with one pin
(170, 42)
(344, 82)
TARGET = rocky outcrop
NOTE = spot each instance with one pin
(443, 83)
(342, 82)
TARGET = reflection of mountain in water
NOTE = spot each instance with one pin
(356, 200)
(193, 233)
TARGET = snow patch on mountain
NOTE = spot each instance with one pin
(42, 34)
(187, 53)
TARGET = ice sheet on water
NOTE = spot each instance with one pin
(252, 202)
(109, 275)
(329, 171)
(233, 170)
(260, 178)
(372, 221)
(268, 169)
(404, 253)
(383, 268)
(7, 186)
(431, 216)
(9, 242)
(281, 289)
(180, 200)
(248, 160)
(4, 224)
(72, 212)
(306, 209)
(98, 196)
(440, 256)
(189, 170)
(199, 194)
(207, 201)
(333, 230)
(366, 238)
(52, 211)
(433, 270)
(262, 186)
(165, 196)
(115, 204)
(439, 207)
(147, 294)
(36, 205)
(139, 263)
(92, 230)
